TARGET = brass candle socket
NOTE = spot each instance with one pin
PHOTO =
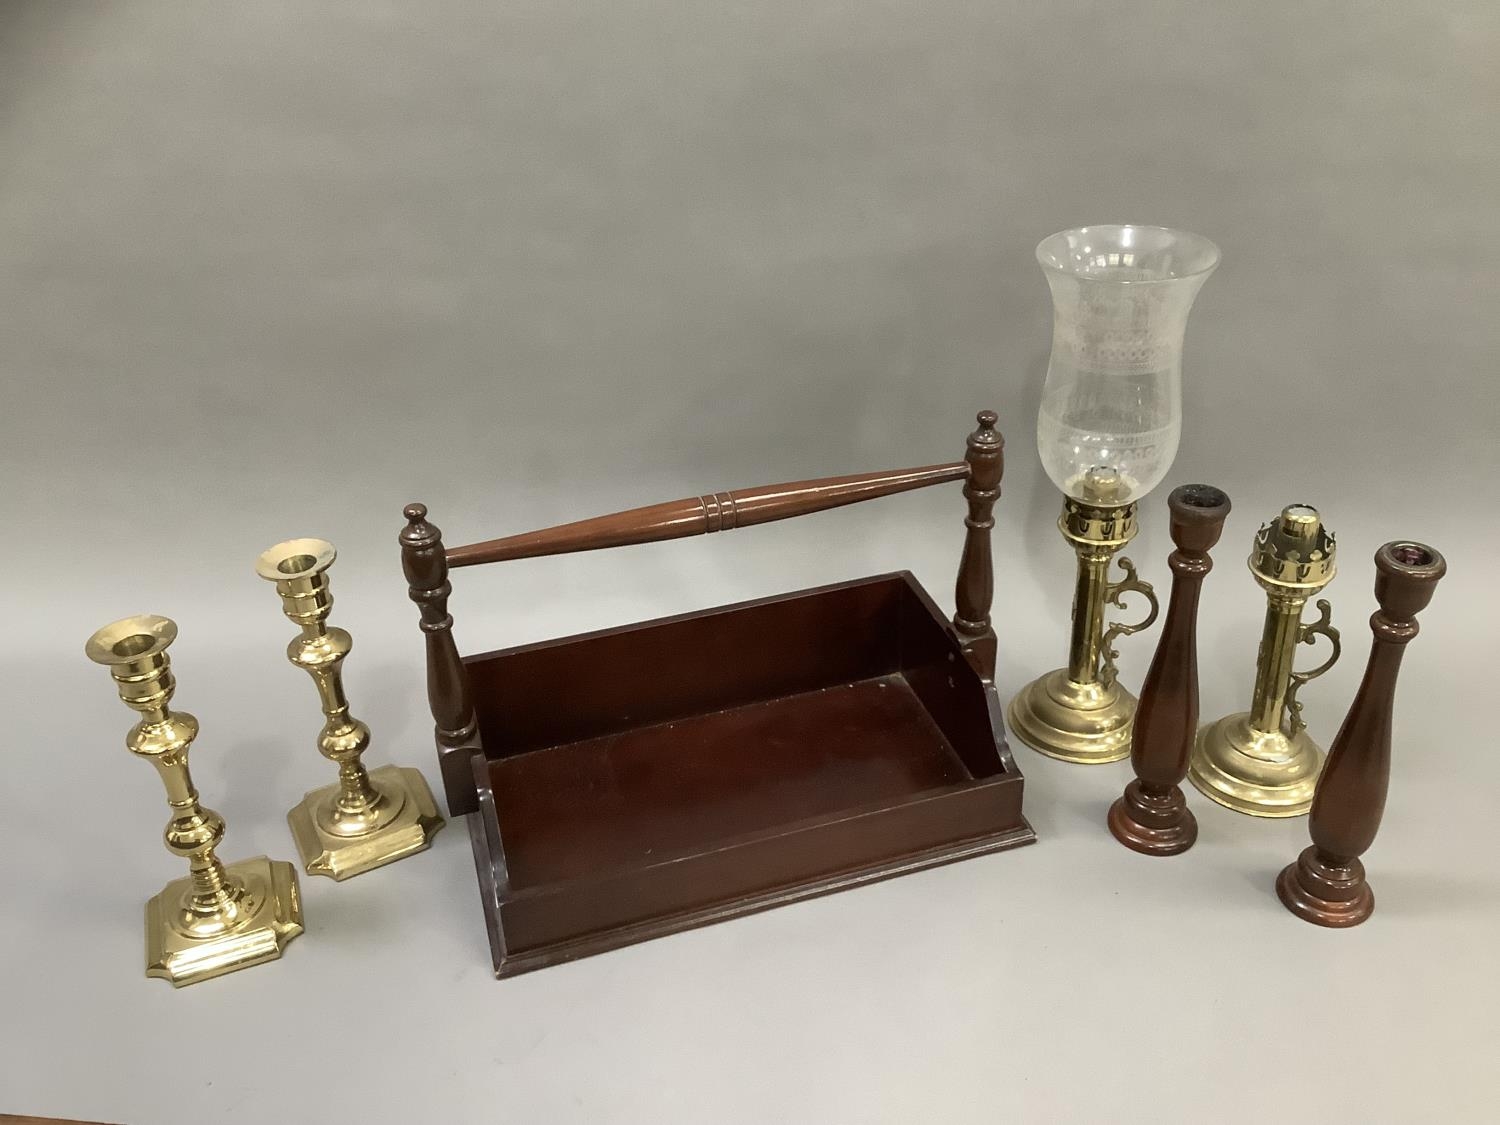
(1262, 761)
(368, 818)
(220, 918)
(1081, 713)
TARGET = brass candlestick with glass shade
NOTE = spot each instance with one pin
(1107, 431)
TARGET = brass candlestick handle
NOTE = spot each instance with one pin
(220, 918)
(1262, 761)
(366, 819)
(1081, 713)
(1115, 593)
(1308, 633)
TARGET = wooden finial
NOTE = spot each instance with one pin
(448, 696)
(1152, 816)
(1326, 885)
(975, 588)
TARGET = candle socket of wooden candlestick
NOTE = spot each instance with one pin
(221, 917)
(366, 819)
(1262, 761)
(1326, 885)
(1081, 713)
(1152, 817)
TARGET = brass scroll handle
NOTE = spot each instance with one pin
(1114, 594)
(1308, 633)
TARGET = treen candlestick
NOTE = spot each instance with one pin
(221, 917)
(1152, 816)
(1326, 885)
(1262, 761)
(368, 818)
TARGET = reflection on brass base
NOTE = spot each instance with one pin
(1153, 823)
(184, 948)
(1324, 894)
(1085, 723)
(340, 846)
(1253, 771)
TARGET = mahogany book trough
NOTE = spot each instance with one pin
(637, 781)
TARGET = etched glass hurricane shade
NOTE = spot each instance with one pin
(1111, 409)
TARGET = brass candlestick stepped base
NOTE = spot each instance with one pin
(220, 918)
(1081, 713)
(366, 819)
(1262, 761)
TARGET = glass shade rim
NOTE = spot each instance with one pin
(1203, 251)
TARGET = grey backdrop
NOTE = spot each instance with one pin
(276, 269)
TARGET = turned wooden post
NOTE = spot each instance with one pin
(1152, 816)
(448, 697)
(976, 569)
(1326, 885)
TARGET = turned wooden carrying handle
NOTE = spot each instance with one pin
(703, 515)
(426, 563)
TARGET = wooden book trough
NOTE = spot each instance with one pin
(638, 781)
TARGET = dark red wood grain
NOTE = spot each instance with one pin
(1152, 816)
(702, 515)
(637, 781)
(1327, 885)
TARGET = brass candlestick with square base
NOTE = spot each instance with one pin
(220, 918)
(367, 819)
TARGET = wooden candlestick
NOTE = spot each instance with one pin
(1326, 885)
(1152, 817)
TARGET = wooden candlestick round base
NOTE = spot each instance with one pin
(1153, 823)
(1325, 893)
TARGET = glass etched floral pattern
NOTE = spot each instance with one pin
(1111, 412)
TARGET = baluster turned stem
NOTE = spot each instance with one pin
(975, 589)
(1152, 817)
(1326, 885)
(448, 695)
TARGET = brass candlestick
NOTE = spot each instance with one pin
(366, 819)
(1262, 761)
(219, 918)
(1081, 713)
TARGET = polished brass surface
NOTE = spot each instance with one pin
(365, 820)
(219, 918)
(1081, 713)
(1262, 761)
